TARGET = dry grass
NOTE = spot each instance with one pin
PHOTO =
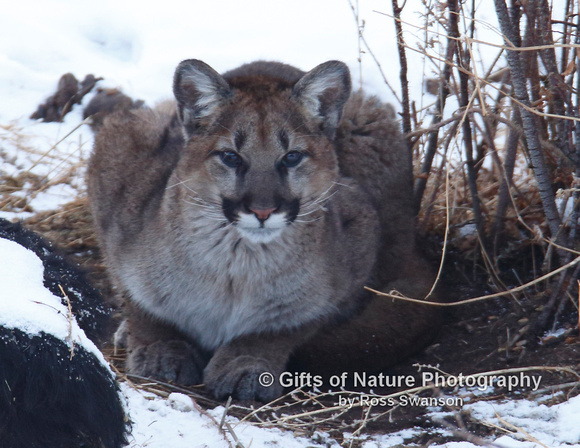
(307, 412)
(27, 172)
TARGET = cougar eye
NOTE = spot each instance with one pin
(292, 159)
(230, 158)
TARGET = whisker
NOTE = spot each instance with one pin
(308, 220)
(311, 208)
(321, 199)
(182, 182)
(298, 127)
(190, 189)
(317, 199)
(227, 129)
(212, 218)
(200, 203)
(342, 185)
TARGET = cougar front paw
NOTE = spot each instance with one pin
(172, 361)
(244, 377)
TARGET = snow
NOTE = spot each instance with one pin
(136, 46)
(159, 423)
(25, 304)
(176, 422)
(54, 154)
(554, 426)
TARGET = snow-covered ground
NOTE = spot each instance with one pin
(136, 46)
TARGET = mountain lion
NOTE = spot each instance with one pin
(243, 224)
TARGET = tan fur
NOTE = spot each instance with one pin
(244, 228)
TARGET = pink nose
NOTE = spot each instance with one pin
(262, 214)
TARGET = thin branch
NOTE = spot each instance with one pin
(508, 45)
(558, 88)
(362, 37)
(507, 170)
(568, 13)
(530, 126)
(464, 60)
(406, 115)
(398, 296)
(576, 195)
(432, 142)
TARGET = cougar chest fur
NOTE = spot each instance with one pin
(229, 285)
(249, 218)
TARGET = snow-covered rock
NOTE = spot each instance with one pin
(56, 389)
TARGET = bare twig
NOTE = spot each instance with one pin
(463, 59)
(507, 171)
(530, 126)
(555, 81)
(403, 73)
(576, 195)
(508, 46)
(433, 139)
(521, 430)
(396, 295)
(378, 64)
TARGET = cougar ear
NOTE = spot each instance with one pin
(322, 93)
(199, 91)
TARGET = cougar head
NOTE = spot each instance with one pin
(259, 153)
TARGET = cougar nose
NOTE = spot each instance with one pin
(262, 213)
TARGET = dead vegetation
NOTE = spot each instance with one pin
(497, 159)
(498, 154)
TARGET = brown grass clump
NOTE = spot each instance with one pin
(71, 230)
